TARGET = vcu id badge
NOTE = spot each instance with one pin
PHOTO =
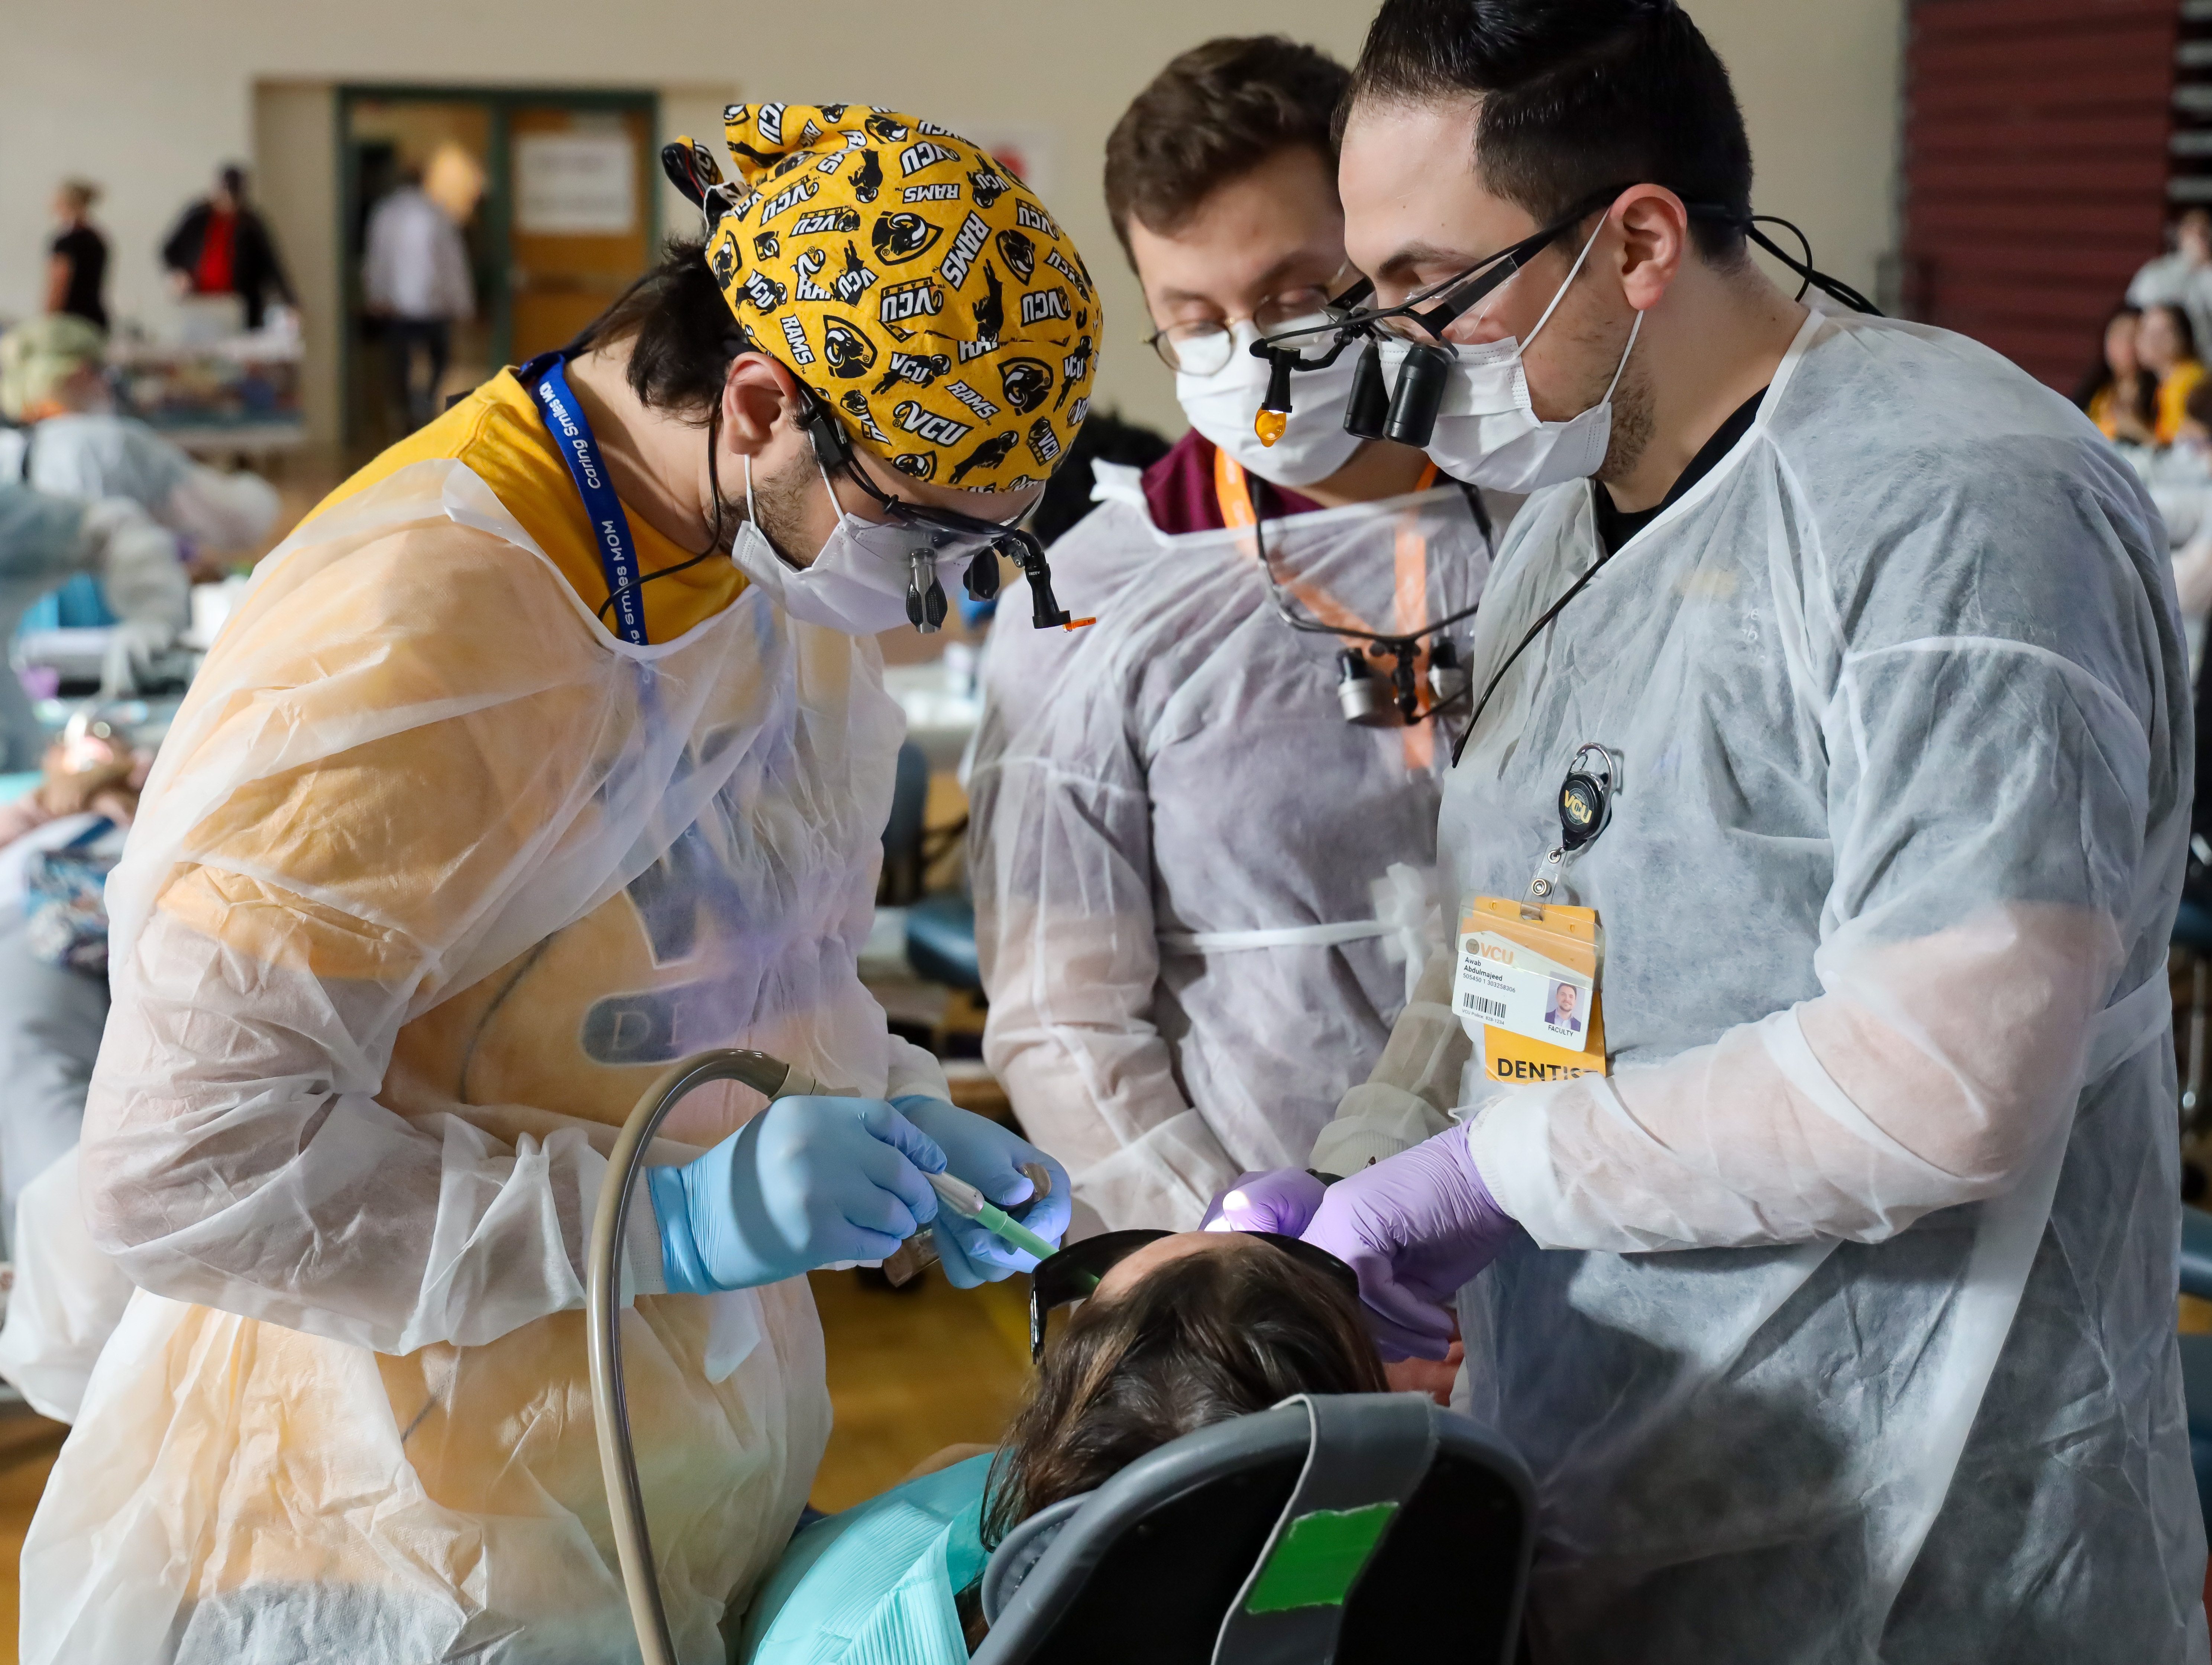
(1526, 984)
(1528, 989)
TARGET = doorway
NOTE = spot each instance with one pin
(553, 193)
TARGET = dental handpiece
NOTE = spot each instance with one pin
(970, 1204)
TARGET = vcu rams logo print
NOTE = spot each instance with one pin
(828, 222)
(802, 269)
(1019, 254)
(914, 283)
(1026, 382)
(920, 369)
(1044, 444)
(868, 176)
(991, 311)
(919, 297)
(855, 280)
(764, 291)
(899, 238)
(856, 405)
(849, 353)
(987, 455)
(920, 420)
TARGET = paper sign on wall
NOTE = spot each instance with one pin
(570, 184)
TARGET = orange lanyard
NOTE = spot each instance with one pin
(1233, 491)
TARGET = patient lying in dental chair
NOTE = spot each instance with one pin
(1182, 1331)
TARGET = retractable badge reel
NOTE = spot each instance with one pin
(1527, 983)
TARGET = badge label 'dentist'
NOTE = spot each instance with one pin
(1526, 986)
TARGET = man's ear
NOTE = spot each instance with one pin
(758, 394)
(1655, 234)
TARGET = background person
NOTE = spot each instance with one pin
(471, 825)
(2116, 394)
(2166, 345)
(54, 381)
(44, 539)
(76, 262)
(1837, 1320)
(221, 246)
(1190, 1330)
(2183, 275)
(415, 277)
(1179, 846)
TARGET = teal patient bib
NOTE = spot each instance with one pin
(873, 1585)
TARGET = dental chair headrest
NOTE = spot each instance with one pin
(1325, 1527)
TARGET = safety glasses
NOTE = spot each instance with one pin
(1074, 1274)
(1426, 316)
(921, 534)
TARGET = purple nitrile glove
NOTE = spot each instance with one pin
(1280, 1200)
(1415, 1227)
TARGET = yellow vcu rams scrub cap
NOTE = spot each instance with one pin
(922, 293)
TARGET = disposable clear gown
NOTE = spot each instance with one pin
(1899, 697)
(1182, 769)
(93, 454)
(433, 876)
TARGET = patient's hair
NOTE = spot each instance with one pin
(1200, 1340)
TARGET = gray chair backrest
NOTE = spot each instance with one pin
(1149, 1566)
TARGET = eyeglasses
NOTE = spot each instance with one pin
(1074, 1274)
(1204, 346)
(1424, 318)
(921, 534)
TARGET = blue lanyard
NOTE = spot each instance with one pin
(564, 419)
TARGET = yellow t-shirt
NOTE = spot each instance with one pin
(2174, 398)
(497, 432)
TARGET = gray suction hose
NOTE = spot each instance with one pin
(603, 1291)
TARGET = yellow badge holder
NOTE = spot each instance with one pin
(1527, 984)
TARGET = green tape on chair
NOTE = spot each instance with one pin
(1319, 1557)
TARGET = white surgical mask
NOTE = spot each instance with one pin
(1487, 431)
(857, 585)
(1314, 445)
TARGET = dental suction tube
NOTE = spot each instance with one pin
(603, 1286)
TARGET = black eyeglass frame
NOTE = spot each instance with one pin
(834, 451)
(1057, 1280)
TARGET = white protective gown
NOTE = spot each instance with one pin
(1196, 884)
(434, 875)
(1900, 697)
(96, 454)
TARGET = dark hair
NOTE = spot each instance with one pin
(1577, 96)
(2181, 324)
(233, 180)
(1105, 436)
(1215, 113)
(1200, 1340)
(682, 334)
(2197, 407)
(2098, 376)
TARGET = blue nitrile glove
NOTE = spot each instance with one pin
(806, 1183)
(990, 1158)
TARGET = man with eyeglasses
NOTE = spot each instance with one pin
(1184, 855)
(554, 747)
(1831, 726)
